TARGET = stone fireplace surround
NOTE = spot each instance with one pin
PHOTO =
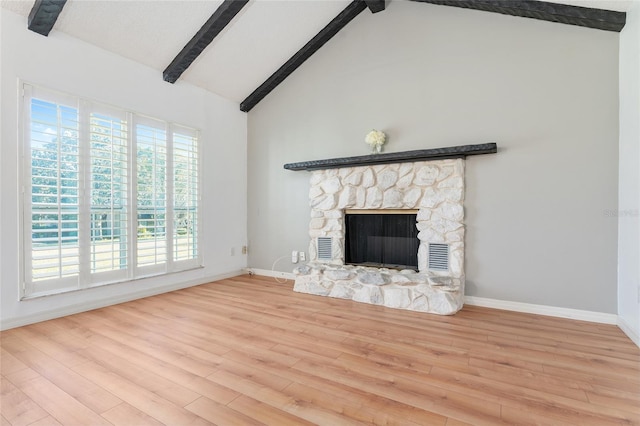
(434, 188)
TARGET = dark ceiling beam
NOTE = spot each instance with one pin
(375, 6)
(339, 22)
(600, 19)
(44, 15)
(216, 23)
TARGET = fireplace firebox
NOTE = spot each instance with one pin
(381, 239)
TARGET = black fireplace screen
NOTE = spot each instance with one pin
(381, 240)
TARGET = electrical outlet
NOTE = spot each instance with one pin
(244, 249)
(294, 257)
(303, 256)
(232, 252)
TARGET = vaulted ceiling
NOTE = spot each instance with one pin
(250, 41)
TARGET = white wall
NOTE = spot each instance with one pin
(629, 189)
(538, 228)
(66, 64)
(1, 151)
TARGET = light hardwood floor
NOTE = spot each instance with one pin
(248, 350)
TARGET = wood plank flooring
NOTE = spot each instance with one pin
(250, 351)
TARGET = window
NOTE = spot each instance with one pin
(108, 163)
(185, 193)
(109, 195)
(151, 171)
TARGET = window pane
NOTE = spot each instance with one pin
(185, 196)
(54, 190)
(108, 193)
(151, 151)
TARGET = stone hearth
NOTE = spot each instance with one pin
(380, 286)
(434, 188)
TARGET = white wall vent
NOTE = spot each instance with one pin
(438, 257)
(324, 248)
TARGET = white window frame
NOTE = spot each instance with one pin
(85, 278)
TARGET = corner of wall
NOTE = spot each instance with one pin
(629, 331)
(629, 177)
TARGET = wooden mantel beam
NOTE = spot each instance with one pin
(44, 15)
(214, 25)
(600, 19)
(351, 11)
(460, 151)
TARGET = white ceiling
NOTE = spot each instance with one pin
(255, 44)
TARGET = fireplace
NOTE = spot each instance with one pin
(381, 238)
(428, 183)
(408, 253)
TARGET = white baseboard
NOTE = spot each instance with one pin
(629, 331)
(551, 311)
(598, 317)
(270, 273)
(75, 309)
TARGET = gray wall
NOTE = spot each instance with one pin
(431, 76)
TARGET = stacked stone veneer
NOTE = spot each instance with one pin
(434, 188)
